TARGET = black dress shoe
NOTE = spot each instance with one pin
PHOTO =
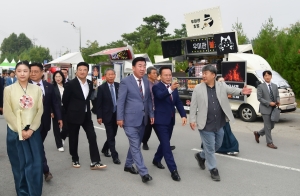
(172, 147)
(106, 153)
(117, 161)
(131, 170)
(175, 176)
(146, 178)
(158, 165)
(145, 146)
(201, 161)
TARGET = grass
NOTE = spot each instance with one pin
(298, 103)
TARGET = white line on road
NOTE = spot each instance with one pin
(99, 128)
(253, 161)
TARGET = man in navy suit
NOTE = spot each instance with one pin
(134, 105)
(107, 112)
(11, 78)
(166, 97)
(50, 103)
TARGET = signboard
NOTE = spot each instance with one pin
(197, 45)
(202, 22)
(225, 43)
(201, 45)
(171, 48)
(234, 74)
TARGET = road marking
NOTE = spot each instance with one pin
(253, 161)
(99, 128)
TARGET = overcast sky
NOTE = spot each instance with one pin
(105, 21)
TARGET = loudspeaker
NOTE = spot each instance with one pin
(171, 48)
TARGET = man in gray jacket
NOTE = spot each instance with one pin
(209, 109)
(268, 96)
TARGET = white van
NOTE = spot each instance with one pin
(255, 66)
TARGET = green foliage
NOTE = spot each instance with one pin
(281, 49)
(36, 54)
(13, 46)
(158, 23)
(242, 37)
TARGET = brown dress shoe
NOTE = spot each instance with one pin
(271, 145)
(48, 176)
(256, 136)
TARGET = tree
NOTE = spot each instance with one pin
(242, 37)
(179, 33)
(280, 48)
(159, 23)
(15, 44)
(36, 54)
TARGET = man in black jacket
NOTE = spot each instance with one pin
(50, 103)
(106, 112)
(76, 101)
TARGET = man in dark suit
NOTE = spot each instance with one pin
(50, 103)
(11, 78)
(268, 96)
(66, 74)
(134, 106)
(76, 101)
(166, 97)
(107, 112)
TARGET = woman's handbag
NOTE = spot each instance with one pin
(275, 115)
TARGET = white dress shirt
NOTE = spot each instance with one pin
(41, 85)
(113, 87)
(85, 89)
(138, 83)
(269, 86)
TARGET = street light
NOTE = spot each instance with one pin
(79, 28)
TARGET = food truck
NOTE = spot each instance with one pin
(237, 64)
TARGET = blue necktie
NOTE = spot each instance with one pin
(113, 97)
(271, 94)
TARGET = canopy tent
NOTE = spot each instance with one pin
(7, 64)
(70, 58)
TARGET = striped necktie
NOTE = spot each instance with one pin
(141, 88)
(271, 93)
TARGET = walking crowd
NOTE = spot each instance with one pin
(137, 104)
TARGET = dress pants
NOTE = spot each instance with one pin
(212, 141)
(88, 127)
(26, 158)
(268, 126)
(44, 134)
(111, 132)
(134, 155)
(65, 130)
(148, 130)
(164, 133)
(56, 133)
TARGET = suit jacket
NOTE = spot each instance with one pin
(263, 96)
(132, 108)
(9, 82)
(50, 104)
(164, 106)
(105, 104)
(75, 103)
(199, 102)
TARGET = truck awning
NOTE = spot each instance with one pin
(110, 51)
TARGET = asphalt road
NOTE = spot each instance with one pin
(257, 170)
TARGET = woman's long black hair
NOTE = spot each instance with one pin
(62, 75)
